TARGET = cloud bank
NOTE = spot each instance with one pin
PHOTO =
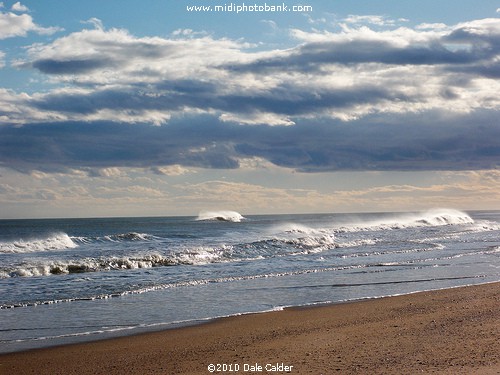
(391, 98)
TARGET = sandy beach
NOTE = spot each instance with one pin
(453, 331)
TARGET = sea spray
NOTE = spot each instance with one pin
(57, 241)
(230, 216)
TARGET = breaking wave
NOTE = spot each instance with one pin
(231, 216)
(287, 239)
(57, 241)
(437, 217)
(62, 241)
(298, 228)
(120, 237)
(196, 256)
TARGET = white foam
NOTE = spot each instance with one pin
(296, 228)
(58, 241)
(192, 256)
(436, 217)
(312, 243)
(201, 255)
(231, 216)
(355, 243)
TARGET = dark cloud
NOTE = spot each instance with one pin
(284, 99)
(105, 144)
(51, 66)
(113, 99)
(418, 142)
(290, 100)
(471, 44)
(313, 56)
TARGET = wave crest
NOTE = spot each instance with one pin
(193, 256)
(57, 241)
(436, 217)
(231, 216)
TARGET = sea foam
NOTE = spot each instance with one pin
(57, 241)
(436, 217)
(231, 216)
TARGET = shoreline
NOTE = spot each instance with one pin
(136, 331)
(453, 330)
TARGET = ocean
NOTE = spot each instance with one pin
(72, 280)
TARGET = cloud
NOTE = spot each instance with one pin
(18, 7)
(106, 172)
(96, 22)
(14, 25)
(431, 26)
(135, 58)
(172, 170)
(356, 99)
(341, 75)
(418, 142)
(245, 197)
(372, 20)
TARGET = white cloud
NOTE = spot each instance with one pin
(343, 75)
(274, 191)
(188, 33)
(13, 25)
(107, 172)
(137, 59)
(18, 7)
(370, 19)
(256, 118)
(96, 22)
(172, 170)
(431, 26)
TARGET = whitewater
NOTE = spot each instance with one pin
(72, 280)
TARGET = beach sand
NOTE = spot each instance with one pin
(453, 331)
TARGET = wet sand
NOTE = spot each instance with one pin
(453, 331)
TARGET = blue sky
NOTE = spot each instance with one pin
(125, 108)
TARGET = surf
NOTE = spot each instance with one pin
(429, 218)
(56, 241)
(229, 216)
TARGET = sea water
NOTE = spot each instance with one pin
(72, 280)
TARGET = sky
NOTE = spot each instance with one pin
(161, 108)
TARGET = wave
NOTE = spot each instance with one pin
(146, 289)
(363, 268)
(436, 217)
(195, 256)
(298, 228)
(130, 236)
(57, 241)
(62, 241)
(312, 244)
(120, 237)
(231, 216)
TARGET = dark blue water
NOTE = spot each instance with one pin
(70, 280)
